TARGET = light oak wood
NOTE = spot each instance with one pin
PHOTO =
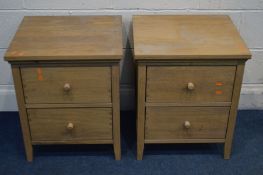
(189, 104)
(208, 84)
(187, 37)
(22, 113)
(190, 86)
(155, 62)
(65, 63)
(141, 86)
(70, 126)
(164, 123)
(165, 141)
(72, 142)
(233, 111)
(187, 124)
(67, 38)
(194, 67)
(83, 84)
(67, 87)
(79, 105)
(66, 74)
(86, 124)
(116, 111)
(191, 62)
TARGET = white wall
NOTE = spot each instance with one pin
(246, 14)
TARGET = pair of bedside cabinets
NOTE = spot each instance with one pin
(66, 75)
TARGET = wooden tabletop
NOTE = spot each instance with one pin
(187, 37)
(67, 38)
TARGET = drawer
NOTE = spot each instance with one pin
(164, 123)
(190, 84)
(67, 84)
(70, 124)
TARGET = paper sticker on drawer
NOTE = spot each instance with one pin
(219, 83)
(39, 74)
(219, 92)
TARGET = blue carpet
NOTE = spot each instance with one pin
(247, 155)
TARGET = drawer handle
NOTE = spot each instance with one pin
(187, 124)
(67, 87)
(190, 86)
(70, 126)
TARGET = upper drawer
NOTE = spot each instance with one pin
(190, 84)
(67, 84)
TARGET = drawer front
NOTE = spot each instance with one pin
(164, 123)
(190, 84)
(67, 84)
(70, 124)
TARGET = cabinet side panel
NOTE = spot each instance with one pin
(22, 112)
(141, 86)
(116, 110)
(233, 110)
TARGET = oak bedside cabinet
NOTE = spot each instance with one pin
(189, 76)
(66, 77)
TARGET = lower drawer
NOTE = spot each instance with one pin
(167, 123)
(70, 124)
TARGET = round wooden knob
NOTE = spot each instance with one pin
(67, 87)
(190, 86)
(187, 124)
(70, 126)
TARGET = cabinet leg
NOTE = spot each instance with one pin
(140, 148)
(227, 150)
(29, 153)
(117, 151)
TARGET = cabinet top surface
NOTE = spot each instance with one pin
(187, 37)
(67, 38)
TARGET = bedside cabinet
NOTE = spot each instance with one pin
(66, 77)
(189, 76)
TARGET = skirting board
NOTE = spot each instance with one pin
(251, 97)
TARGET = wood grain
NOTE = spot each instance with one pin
(77, 105)
(66, 76)
(164, 123)
(170, 37)
(72, 142)
(116, 110)
(165, 141)
(191, 62)
(67, 38)
(22, 113)
(141, 88)
(233, 111)
(167, 84)
(89, 124)
(190, 104)
(88, 84)
(194, 67)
